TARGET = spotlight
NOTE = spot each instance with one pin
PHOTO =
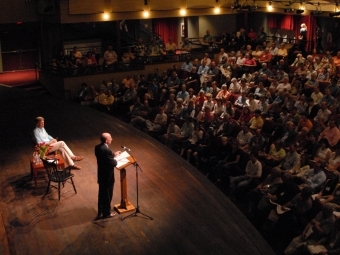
(334, 14)
(299, 11)
(270, 7)
(316, 13)
(289, 10)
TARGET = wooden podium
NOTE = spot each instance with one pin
(125, 205)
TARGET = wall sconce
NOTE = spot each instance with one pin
(146, 14)
(217, 10)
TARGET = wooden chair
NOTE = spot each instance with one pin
(57, 176)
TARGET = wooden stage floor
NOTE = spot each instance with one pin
(191, 216)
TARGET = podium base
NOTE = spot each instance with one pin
(121, 209)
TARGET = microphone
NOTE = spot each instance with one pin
(125, 148)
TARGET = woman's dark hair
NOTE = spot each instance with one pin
(325, 141)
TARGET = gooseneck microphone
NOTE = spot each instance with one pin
(125, 148)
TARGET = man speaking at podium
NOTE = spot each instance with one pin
(106, 164)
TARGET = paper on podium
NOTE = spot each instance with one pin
(122, 159)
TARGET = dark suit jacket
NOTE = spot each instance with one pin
(106, 163)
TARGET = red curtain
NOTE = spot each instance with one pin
(278, 21)
(166, 28)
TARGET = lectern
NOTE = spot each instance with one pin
(125, 205)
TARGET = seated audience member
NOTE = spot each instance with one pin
(334, 160)
(187, 65)
(224, 94)
(304, 123)
(323, 114)
(328, 98)
(256, 143)
(229, 109)
(275, 155)
(243, 138)
(41, 136)
(293, 210)
(209, 102)
(294, 116)
(191, 97)
(314, 177)
(177, 112)
(154, 50)
(265, 57)
(172, 129)
(128, 57)
(158, 123)
(82, 93)
(170, 104)
(214, 90)
(190, 143)
(268, 186)
(140, 113)
(170, 47)
(253, 173)
(219, 108)
(324, 152)
(186, 46)
(242, 101)
(331, 133)
(298, 60)
(227, 167)
(140, 49)
(90, 98)
(90, 62)
(310, 86)
(256, 122)
(245, 116)
(317, 229)
(252, 102)
(291, 161)
(285, 85)
(282, 194)
(205, 117)
(186, 131)
(260, 91)
(200, 99)
(263, 105)
(183, 94)
(234, 86)
(289, 134)
(222, 57)
(105, 101)
(110, 57)
(301, 139)
(127, 99)
(207, 38)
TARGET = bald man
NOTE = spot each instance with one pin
(106, 164)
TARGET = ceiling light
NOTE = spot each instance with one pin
(183, 12)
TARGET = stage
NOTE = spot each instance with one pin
(190, 215)
(19, 78)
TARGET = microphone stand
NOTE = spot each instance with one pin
(135, 214)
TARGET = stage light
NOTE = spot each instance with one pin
(217, 10)
(105, 16)
(146, 14)
(183, 12)
(334, 14)
(289, 10)
(299, 11)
